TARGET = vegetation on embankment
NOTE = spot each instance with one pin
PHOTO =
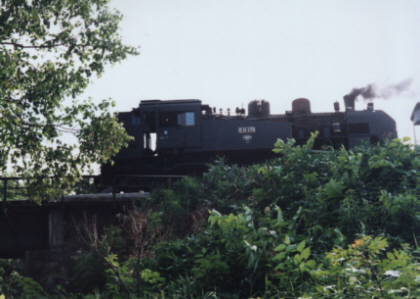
(331, 224)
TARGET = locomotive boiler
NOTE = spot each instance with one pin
(180, 137)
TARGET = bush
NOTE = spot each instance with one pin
(275, 227)
(308, 224)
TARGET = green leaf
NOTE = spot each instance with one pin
(301, 246)
(280, 256)
(390, 256)
(306, 253)
(334, 188)
(297, 259)
(311, 264)
(280, 247)
(291, 248)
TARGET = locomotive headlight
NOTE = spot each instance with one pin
(336, 127)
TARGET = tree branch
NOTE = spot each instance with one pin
(32, 46)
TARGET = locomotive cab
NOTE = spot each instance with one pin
(169, 127)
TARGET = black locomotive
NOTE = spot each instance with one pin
(181, 136)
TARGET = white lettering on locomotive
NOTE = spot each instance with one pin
(247, 138)
(246, 130)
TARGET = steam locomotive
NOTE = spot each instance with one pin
(179, 137)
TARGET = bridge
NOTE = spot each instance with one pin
(46, 235)
(27, 226)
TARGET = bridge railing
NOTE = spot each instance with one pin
(18, 188)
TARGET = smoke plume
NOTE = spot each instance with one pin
(371, 92)
(395, 90)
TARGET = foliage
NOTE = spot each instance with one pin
(282, 221)
(153, 279)
(366, 270)
(13, 285)
(347, 188)
(100, 264)
(48, 52)
(89, 274)
(308, 224)
(118, 276)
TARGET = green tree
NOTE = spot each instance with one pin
(49, 49)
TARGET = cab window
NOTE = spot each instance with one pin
(186, 119)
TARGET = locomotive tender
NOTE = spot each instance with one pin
(181, 136)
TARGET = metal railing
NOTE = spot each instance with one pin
(18, 188)
(4, 181)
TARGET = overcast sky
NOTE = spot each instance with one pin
(227, 53)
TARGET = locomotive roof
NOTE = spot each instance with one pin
(168, 102)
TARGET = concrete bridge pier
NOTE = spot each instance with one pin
(53, 266)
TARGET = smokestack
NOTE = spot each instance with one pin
(349, 101)
(368, 92)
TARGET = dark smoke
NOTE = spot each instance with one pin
(394, 90)
(371, 92)
(367, 92)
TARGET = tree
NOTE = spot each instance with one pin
(49, 51)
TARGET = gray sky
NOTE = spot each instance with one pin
(227, 53)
